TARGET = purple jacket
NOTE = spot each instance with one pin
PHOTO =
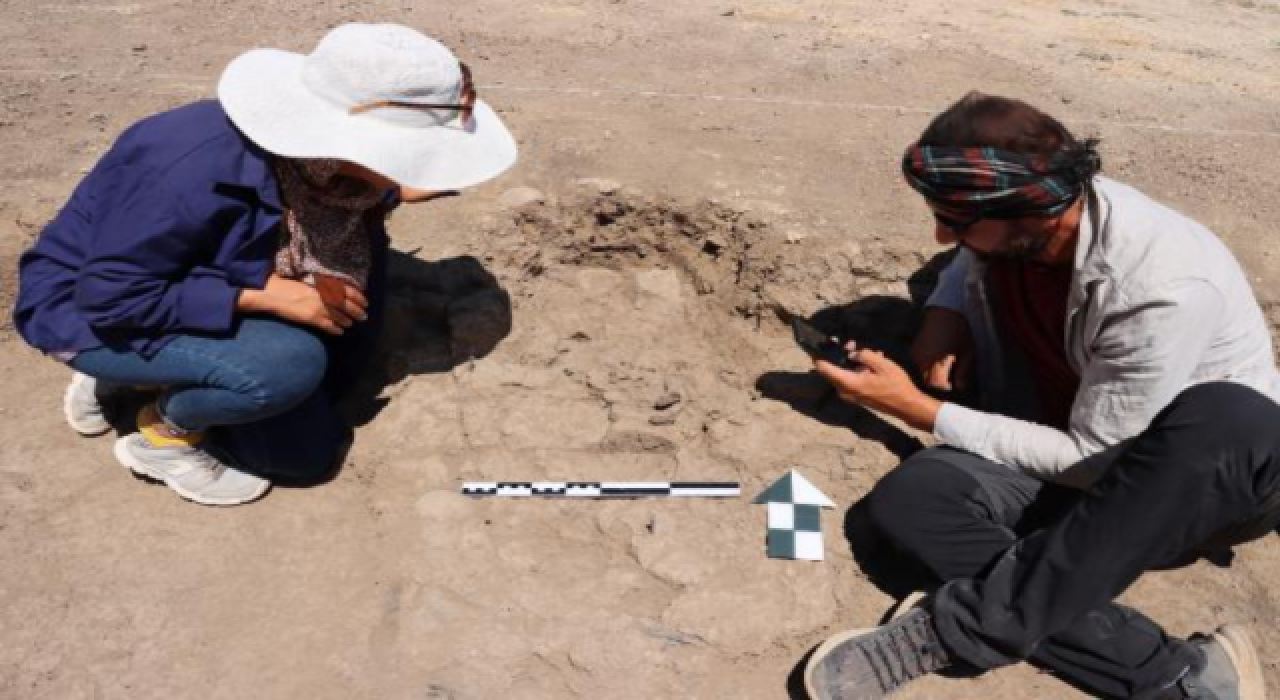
(157, 240)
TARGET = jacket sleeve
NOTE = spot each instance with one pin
(949, 294)
(1142, 358)
(147, 266)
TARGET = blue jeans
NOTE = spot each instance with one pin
(264, 369)
(267, 390)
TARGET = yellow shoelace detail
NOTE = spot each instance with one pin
(152, 427)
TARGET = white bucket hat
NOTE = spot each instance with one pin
(353, 99)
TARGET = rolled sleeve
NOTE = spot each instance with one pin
(206, 302)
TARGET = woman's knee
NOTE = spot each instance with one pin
(289, 364)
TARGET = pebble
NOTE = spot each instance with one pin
(602, 185)
(521, 196)
(666, 401)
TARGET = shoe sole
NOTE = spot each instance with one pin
(80, 427)
(137, 467)
(1237, 643)
(906, 605)
(902, 608)
(821, 653)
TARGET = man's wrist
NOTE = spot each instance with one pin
(921, 412)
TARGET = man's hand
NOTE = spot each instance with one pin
(877, 382)
(332, 305)
(943, 350)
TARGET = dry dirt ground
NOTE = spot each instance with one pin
(699, 161)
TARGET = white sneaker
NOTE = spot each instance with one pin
(82, 405)
(193, 472)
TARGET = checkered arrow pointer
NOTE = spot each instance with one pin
(795, 518)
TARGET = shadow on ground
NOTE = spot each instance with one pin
(882, 323)
(439, 314)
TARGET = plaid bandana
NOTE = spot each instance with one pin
(1000, 184)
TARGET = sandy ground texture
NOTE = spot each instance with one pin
(685, 168)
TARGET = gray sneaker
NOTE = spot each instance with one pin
(872, 663)
(1231, 670)
(193, 472)
(82, 404)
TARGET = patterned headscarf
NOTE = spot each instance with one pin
(1000, 184)
(324, 228)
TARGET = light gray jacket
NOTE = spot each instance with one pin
(1157, 304)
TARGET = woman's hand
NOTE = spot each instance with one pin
(878, 382)
(341, 297)
(331, 306)
(409, 195)
(943, 350)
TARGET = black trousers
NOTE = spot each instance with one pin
(1030, 569)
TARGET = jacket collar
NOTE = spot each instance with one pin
(1094, 221)
(255, 171)
(1088, 265)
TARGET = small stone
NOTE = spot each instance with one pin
(794, 237)
(714, 244)
(666, 401)
(139, 48)
(728, 13)
(671, 636)
(660, 284)
(601, 185)
(518, 197)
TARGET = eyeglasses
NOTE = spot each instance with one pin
(465, 107)
(957, 226)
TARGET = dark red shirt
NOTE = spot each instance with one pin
(1030, 301)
